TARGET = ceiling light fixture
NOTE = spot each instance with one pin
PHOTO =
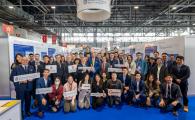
(11, 7)
(174, 8)
(53, 7)
(136, 7)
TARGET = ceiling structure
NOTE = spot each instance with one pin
(137, 17)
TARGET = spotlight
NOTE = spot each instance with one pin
(53, 7)
(136, 7)
(11, 7)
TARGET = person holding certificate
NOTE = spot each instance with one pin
(43, 82)
(84, 92)
(97, 87)
(23, 88)
(114, 89)
(70, 99)
(55, 97)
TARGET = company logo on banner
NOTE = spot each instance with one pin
(54, 38)
(44, 38)
(9, 29)
(93, 10)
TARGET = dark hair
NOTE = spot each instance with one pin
(180, 57)
(101, 81)
(46, 70)
(153, 82)
(164, 53)
(45, 56)
(169, 75)
(138, 53)
(30, 54)
(83, 80)
(76, 60)
(156, 52)
(18, 54)
(137, 72)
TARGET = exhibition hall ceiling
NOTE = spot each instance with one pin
(128, 16)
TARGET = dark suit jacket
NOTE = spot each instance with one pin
(183, 74)
(19, 70)
(41, 84)
(141, 87)
(107, 65)
(60, 71)
(175, 91)
(127, 81)
(163, 72)
(113, 62)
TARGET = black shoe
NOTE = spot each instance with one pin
(175, 113)
(28, 114)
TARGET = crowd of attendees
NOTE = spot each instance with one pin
(159, 80)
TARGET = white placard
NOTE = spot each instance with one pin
(97, 94)
(52, 68)
(96, 49)
(25, 77)
(114, 92)
(120, 65)
(86, 68)
(86, 87)
(117, 70)
(70, 93)
(76, 50)
(72, 68)
(43, 90)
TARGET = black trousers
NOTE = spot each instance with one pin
(168, 102)
(27, 98)
(184, 91)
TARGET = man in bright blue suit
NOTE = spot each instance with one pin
(23, 88)
(43, 82)
(94, 62)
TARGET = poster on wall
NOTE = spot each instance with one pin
(43, 54)
(23, 49)
(150, 49)
(51, 51)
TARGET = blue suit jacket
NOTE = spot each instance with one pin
(143, 66)
(97, 64)
(41, 84)
(19, 70)
(141, 87)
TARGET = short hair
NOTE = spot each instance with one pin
(137, 72)
(166, 75)
(164, 53)
(114, 73)
(30, 54)
(37, 54)
(46, 56)
(156, 52)
(180, 57)
(46, 70)
(138, 53)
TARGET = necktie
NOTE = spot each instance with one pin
(137, 86)
(169, 92)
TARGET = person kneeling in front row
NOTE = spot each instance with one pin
(70, 102)
(137, 91)
(170, 95)
(43, 82)
(56, 96)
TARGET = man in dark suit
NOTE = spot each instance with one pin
(181, 73)
(43, 99)
(112, 60)
(67, 63)
(159, 71)
(60, 69)
(43, 64)
(81, 73)
(126, 81)
(170, 95)
(104, 65)
(137, 91)
(171, 62)
(23, 88)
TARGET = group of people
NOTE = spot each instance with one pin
(150, 81)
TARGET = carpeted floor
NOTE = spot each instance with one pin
(123, 113)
